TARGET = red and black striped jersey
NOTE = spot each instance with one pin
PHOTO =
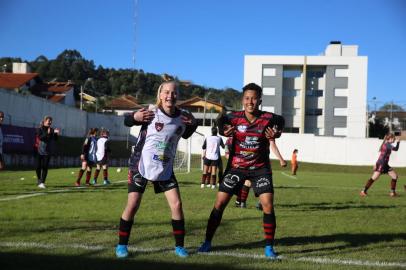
(250, 148)
(385, 152)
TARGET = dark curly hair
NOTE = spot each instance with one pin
(254, 87)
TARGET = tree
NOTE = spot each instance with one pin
(387, 107)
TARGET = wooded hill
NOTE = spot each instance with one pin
(70, 65)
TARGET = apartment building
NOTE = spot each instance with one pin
(329, 101)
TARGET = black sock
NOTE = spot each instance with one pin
(269, 228)
(178, 227)
(213, 223)
(244, 193)
(81, 171)
(368, 184)
(124, 231)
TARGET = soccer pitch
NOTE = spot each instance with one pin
(322, 223)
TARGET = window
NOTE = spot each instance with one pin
(290, 93)
(270, 91)
(314, 111)
(268, 109)
(341, 92)
(291, 112)
(292, 73)
(315, 74)
(340, 131)
(341, 72)
(340, 112)
(269, 72)
(314, 93)
(291, 130)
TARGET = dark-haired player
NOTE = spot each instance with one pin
(382, 165)
(211, 158)
(103, 153)
(251, 130)
(1, 142)
(88, 156)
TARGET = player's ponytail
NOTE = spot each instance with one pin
(166, 79)
(386, 139)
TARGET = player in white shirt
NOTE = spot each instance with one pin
(103, 152)
(211, 158)
(152, 159)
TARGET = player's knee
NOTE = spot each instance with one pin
(267, 207)
(176, 206)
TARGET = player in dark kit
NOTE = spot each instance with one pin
(88, 156)
(252, 131)
(382, 165)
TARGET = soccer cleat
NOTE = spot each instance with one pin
(106, 182)
(208, 185)
(77, 184)
(94, 182)
(363, 193)
(201, 185)
(270, 253)
(181, 252)
(237, 203)
(243, 205)
(41, 185)
(393, 194)
(205, 247)
(213, 186)
(122, 251)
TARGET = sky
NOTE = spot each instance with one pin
(205, 41)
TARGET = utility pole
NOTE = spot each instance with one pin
(391, 116)
(81, 97)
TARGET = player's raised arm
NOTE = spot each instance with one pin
(139, 117)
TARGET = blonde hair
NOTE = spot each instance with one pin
(44, 119)
(166, 79)
(387, 138)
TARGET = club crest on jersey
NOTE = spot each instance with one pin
(242, 128)
(159, 126)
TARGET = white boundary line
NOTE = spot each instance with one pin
(44, 192)
(290, 176)
(317, 260)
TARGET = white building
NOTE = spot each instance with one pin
(335, 87)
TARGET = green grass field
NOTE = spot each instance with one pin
(322, 223)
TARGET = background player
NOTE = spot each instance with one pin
(211, 158)
(382, 165)
(293, 162)
(45, 147)
(103, 153)
(1, 142)
(88, 156)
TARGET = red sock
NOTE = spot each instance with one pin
(393, 184)
(88, 175)
(244, 193)
(269, 228)
(80, 175)
(96, 174)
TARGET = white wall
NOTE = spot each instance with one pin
(28, 111)
(320, 149)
